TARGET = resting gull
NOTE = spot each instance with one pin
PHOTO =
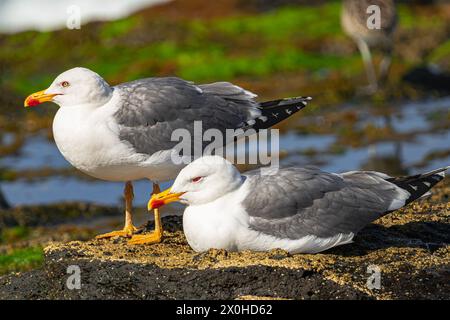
(301, 210)
(123, 133)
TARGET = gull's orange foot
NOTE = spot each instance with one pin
(154, 237)
(126, 232)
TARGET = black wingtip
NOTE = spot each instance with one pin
(418, 185)
(286, 101)
(275, 111)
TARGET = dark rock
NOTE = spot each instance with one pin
(53, 214)
(117, 280)
(429, 78)
(410, 249)
(3, 203)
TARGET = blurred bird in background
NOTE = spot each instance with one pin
(354, 20)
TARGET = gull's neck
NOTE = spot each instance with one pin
(103, 107)
(98, 101)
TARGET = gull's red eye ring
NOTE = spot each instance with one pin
(197, 179)
(64, 84)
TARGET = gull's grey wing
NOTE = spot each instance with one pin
(152, 108)
(297, 202)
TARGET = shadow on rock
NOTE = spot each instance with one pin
(429, 235)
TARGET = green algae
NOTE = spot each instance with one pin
(21, 260)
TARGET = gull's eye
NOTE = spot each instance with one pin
(64, 84)
(197, 179)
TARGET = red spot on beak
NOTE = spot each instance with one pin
(157, 203)
(33, 102)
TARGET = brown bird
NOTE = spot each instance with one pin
(355, 22)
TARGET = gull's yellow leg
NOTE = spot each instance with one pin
(129, 229)
(155, 236)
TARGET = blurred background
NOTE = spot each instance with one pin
(275, 48)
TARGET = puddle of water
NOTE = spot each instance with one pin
(410, 154)
(58, 189)
(37, 152)
(390, 156)
(405, 155)
(413, 116)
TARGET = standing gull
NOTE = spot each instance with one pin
(123, 133)
(301, 210)
(354, 19)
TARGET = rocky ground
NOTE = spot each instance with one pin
(256, 44)
(410, 247)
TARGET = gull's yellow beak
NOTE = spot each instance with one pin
(37, 98)
(163, 198)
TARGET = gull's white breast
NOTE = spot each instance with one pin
(224, 224)
(214, 225)
(88, 137)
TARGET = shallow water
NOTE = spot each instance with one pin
(396, 157)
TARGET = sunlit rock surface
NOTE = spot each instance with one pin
(410, 247)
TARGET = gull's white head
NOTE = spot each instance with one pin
(74, 87)
(204, 180)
